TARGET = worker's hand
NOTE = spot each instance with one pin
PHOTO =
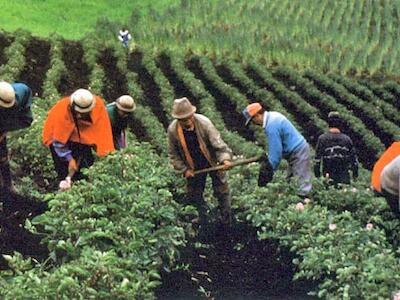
(188, 173)
(72, 166)
(227, 164)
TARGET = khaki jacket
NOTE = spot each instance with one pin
(207, 135)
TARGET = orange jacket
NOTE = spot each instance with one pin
(391, 153)
(60, 126)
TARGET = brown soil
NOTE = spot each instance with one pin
(37, 64)
(77, 74)
(151, 90)
(234, 121)
(13, 236)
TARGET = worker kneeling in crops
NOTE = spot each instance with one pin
(15, 113)
(194, 144)
(336, 153)
(75, 125)
(120, 113)
(385, 178)
(284, 140)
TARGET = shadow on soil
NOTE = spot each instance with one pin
(232, 264)
(13, 236)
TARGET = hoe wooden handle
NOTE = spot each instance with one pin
(234, 164)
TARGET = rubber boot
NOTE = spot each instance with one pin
(6, 177)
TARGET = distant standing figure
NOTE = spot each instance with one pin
(75, 125)
(124, 36)
(120, 113)
(284, 141)
(15, 114)
(336, 153)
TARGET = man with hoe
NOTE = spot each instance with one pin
(284, 140)
(194, 144)
(15, 114)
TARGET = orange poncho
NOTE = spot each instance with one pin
(391, 153)
(59, 126)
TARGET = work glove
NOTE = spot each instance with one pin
(72, 166)
(266, 172)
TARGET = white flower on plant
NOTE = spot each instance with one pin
(307, 200)
(354, 190)
(327, 175)
(345, 190)
(299, 206)
(396, 296)
(332, 226)
(369, 226)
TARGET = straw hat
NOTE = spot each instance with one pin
(125, 103)
(182, 108)
(7, 95)
(83, 100)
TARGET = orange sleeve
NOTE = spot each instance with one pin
(391, 153)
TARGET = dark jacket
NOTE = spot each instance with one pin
(336, 153)
(207, 135)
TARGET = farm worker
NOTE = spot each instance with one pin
(336, 153)
(15, 114)
(120, 112)
(383, 178)
(74, 125)
(193, 144)
(284, 140)
(124, 36)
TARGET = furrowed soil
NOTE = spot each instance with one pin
(14, 211)
(232, 264)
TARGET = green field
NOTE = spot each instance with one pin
(352, 37)
(72, 18)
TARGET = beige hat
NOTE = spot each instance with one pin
(182, 108)
(7, 95)
(125, 103)
(83, 100)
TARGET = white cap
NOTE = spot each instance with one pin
(125, 103)
(7, 95)
(83, 100)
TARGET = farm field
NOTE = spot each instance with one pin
(125, 231)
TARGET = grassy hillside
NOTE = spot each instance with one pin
(351, 36)
(73, 18)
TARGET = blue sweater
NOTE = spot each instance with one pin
(20, 115)
(283, 137)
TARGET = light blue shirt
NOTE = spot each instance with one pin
(283, 137)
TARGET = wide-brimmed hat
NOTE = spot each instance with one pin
(7, 95)
(250, 111)
(182, 108)
(83, 101)
(125, 103)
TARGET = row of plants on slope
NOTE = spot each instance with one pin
(339, 235)
(108, 236)
(368, 113)
(362, 137)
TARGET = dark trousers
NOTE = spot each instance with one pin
(80, 152)
(393, 201)
(195, 189)
(5, 171)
